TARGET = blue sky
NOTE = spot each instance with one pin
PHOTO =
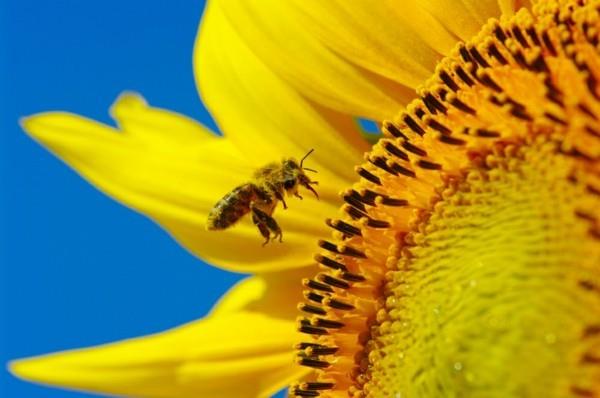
(77, 268)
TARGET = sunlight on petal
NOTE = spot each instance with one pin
(290, 51)
(482, 10)
(462, 18)
(260, 113)
(362, 31)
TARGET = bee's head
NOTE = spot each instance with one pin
(293, 175)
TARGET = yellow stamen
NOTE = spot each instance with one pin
(466, 261)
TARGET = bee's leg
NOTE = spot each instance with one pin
(279, 196)
(264, 231)
(277, 193)
(298, 196)
(268, 221)
(307, 185)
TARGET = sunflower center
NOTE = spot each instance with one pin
(467, 260)
(494, 297)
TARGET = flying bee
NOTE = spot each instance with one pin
(260, 197)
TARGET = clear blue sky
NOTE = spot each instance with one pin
(77, 268)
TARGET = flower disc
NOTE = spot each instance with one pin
(467, 259)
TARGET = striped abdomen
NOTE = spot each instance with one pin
(232, 207)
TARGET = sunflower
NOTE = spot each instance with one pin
(464, 261)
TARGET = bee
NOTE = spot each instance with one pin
(261, 196)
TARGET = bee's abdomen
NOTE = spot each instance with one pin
(231, 208)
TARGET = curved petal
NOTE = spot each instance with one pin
(275, 293)
(174, 170)
(361, 58)
(156, 126)
(463, 18)
(236, 353)
(401, 42)
(259, 112)
(246, 35)
(482, 10)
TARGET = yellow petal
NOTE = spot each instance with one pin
(174, 171)
(463, 18)
(361, 58)
(401, 42)
(482, 10)
(262, 114)
(244, 37)
(156, 126)
(228, 354)
(160, 179)
(275, 293)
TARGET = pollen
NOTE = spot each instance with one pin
(466, 259)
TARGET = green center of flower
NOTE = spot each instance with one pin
(497, 295)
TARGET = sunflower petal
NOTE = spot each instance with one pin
(156, 126)
(402, 43)
(228, 354)
(174, 171)
(274, 293)
(463, 18)
(249, 36)
(259, 112)
(158, 179)
(482, 10)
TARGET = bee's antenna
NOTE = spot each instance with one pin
(309, 169)
(305, 156)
